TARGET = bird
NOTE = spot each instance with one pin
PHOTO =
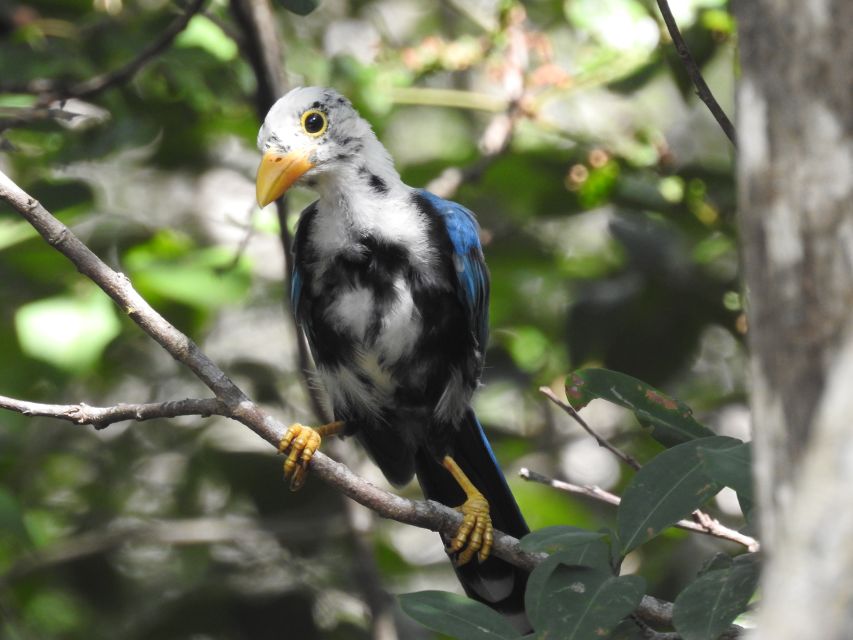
(391, 290)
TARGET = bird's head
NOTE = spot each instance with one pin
(310, 133)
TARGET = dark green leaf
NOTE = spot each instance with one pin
(580, 603)
(456, 616)
(300, 7)
(628, 629)
(731, 467)
(668, 488)
(671, 421)
(711, 603)
(595, 554)
(558, 538)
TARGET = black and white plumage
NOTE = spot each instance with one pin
(392, 291)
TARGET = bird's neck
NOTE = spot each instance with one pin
(360, 186)
(366, 198)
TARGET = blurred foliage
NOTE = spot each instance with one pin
(609, 232)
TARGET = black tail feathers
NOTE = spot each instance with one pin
(493, 582)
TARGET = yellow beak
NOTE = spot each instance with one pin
(277, 173)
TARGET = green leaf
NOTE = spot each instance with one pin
(300, 7)
(558, 538)
(580, 603)
(456, 616)
(70, 333)
(671, 421)
(666, 489)
(594, 554)
(712, 602)
(205, 34)
(731, 467)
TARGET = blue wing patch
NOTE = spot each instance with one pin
(295, 291)
(464, 233)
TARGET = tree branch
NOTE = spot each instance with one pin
(707, 525)
(102, 417)
(692, 69)
(630, 460)
(237, 405)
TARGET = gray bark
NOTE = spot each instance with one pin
(795, 184)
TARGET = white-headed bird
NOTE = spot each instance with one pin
(392, 291)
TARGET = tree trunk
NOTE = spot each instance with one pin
(795, 185)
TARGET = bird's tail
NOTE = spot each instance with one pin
(493, 582)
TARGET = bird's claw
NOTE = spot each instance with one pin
(299, 444)
(475, 534)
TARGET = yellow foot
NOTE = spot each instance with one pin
(475, 533)
(299, 444)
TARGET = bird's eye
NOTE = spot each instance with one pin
(314, 122)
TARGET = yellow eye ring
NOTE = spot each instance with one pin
(314, 123)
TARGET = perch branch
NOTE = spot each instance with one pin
(692, 69)
(425, 514)
(707, 525)
(236, 404)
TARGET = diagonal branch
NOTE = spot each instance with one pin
(708, 526)
(692, 69)
(628, 459)
(237, 405)
(425, 514)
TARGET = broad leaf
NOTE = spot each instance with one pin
(580, 603)
(731, 467)
(669, 487)
(671, 421)
(558, 538)
(594, 554)
(456, 616)
(712, 602)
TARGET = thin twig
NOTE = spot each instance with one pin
(628, 459)
(692, 69)
(102, 417)
(707, 525)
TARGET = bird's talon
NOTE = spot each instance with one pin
(299, 443)
(474, 536)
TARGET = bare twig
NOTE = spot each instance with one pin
(692, 69)
(707, 525)
(101, 417)
(630, 460)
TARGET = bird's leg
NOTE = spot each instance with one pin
(300, 443)
(475, 534)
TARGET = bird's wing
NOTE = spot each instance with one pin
(295, 290)
(468, 262)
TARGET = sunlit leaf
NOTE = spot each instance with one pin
(69, 332)
(202, 32)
